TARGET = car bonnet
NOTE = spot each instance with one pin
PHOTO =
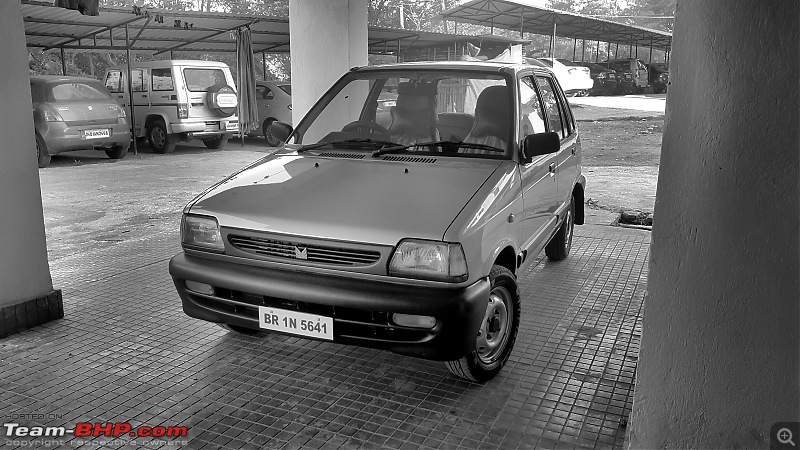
(370, 200)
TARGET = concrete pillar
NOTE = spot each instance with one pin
(26, 290)
(327, 39)
(720, 353)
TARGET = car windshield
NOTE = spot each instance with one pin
(413, 111)
(76, 91)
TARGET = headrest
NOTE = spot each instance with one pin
(492, 112)
(416, 88)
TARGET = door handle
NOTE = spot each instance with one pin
(552, 169)
(573, 151)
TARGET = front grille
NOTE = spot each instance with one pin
(348, 322)
(312, 253)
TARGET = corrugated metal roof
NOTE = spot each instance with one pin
(522, 16)
(159, 31)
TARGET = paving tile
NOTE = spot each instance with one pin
(125, 351)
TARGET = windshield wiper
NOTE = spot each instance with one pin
(348, 143)
(400, 148)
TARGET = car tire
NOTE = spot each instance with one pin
(158, 138)
(117, 152)
(41, 152)
(559, 246)
(497, 333)
(217, 142)
(238, 329)
(267, 131)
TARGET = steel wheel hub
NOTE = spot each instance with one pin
(494, 331)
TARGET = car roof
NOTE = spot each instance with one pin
(52, 78)
(174, 62)
(453, 65)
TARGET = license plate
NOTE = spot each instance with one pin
(231, 126)
(294, 322)
(96, 134)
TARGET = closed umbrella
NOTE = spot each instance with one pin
(247, 109)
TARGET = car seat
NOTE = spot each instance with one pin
(492, 125)
(413, 118)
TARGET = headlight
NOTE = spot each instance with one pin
(201, 232)
(429, 260)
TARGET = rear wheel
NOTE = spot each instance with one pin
(158, 138)
(497, 333)
(217, 142)
(559, 246)
(117, 152)
(41, 152)
(272, 141)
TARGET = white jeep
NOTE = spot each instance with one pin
(178, 100)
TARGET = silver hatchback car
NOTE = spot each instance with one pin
(75, 113)
(398, 215)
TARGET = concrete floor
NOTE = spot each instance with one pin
(125, 352)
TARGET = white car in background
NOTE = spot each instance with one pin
(575, 80)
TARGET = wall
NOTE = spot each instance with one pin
(24, 271)
(720, 354)
(327, 39)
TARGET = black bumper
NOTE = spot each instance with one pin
(361, 308)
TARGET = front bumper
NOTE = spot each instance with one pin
(361, 308)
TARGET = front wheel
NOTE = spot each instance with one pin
(559, 246)
(497, 333)
(272, 141)
(217, 142)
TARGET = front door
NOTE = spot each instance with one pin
(539, 183)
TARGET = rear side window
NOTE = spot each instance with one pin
(286, 88)
(114, 81)
(551, 105)
(76, 92)
(138, 81)
(199, 80)
(162, 79)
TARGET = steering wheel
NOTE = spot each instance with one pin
(360, 125)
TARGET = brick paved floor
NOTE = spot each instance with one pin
(126, 352)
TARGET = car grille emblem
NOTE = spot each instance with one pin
(90, 107)
(301, 253)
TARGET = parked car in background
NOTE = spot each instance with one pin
(626, 82)
(605, 79)
(659, 77)
(178, 100)
(636, 68)
(274, 102)
(407, 237)
(575, 80)
(74, 113)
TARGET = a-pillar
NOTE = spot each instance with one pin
(720, 354)
(327, 39)
(27, 297)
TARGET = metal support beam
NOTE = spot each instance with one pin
(130, 88)
(553, 42)
(264, 65)
(63, 63)
(574, 48)
(583, 49)
(650, 60)
(91, 34)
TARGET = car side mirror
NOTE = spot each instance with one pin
(539, 144)
(281, 131)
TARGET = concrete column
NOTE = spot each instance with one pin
(720, 355)
(26, 290)
(327, 39)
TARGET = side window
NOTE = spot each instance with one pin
(531, 119)
(137, 80)
(114, 81)
(260, 92)
(566, 113)
(268, 94)
(162, 79)
(550, 104)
